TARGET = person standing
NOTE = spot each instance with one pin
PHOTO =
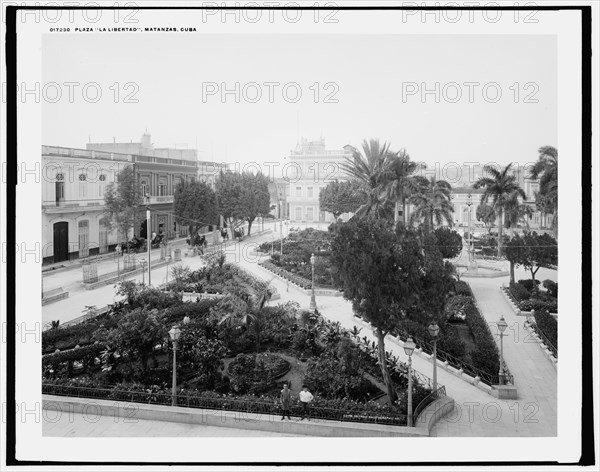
(305, 398)
(285, 399)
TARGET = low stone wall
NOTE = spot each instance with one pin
(510, 301)
(242, 420)
(540, 341)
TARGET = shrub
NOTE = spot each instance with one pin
(547, 325)
(528, 284)
(552, 287)
(486, 355)
(256, 373)
(462, 288)
(519, 292)
(535, 304)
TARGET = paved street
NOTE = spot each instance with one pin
(477, 413)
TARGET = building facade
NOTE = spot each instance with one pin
(311, 167)
(73, 202)
(73, 198)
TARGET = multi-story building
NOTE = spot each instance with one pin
(73, 201)
(311, 167)
(208, 172)
(73, 198)
(279, 191)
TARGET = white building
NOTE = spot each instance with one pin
(73, 201)
(309, 170)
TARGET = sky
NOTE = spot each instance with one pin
(369, 86)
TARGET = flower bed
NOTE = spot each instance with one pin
(295, 279)
(321, 408)
(256, 374)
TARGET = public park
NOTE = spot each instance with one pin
(399, 317)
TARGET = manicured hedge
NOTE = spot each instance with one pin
(547, 325)
(519, 292)
(535, 304)
(485, 356)
(528, 284)
(552, 287)
(85, 355)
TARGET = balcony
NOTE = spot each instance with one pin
(155, 199)
(52, 206)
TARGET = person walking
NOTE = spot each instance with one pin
(285, 399)
(305, 398)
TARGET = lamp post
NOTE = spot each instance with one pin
(168, 258)
(148, 232)
(502, 325)
(434, 330)
(409, 347)
(143, 263)
(313, 302)
(118, 251)
(469, 203)
(174, 334)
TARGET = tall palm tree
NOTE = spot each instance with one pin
(501, 187)
(432, 202)
(546, 169)
(516, 211)
(247, 310)
(371, 169)
(403, 181)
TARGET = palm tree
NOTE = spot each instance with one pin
(403, 183)
(247, 310)
(515, 212)
(432, 202)
(371, 169)
(546, 169)
(501, 187)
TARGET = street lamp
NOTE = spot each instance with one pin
(409, 347)
(174, 334)
(434, 330)
(502, 325)
(143, 263)
(148, 240)
(313, 302)
(168, 258)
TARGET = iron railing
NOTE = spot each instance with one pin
(241, 406)
(439, 393)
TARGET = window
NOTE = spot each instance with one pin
(103, 240)
(298, 213)
(162, 188)
(101, 185)
(84, 238)
(144, 188)
(59, 190)
(310, 214)
(82, 185)
(298, 191)
(309, 192)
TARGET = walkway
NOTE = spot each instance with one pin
(55, 424)
(476, 412)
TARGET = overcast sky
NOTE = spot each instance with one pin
(374, 77)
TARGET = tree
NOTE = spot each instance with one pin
(341, 197)
(255, 197)
(501, 187)
(122, 200)
(448, 242)
(515, 212)
(244, 309)
(432, 203)
(533, 251)
(372, 169)
(403, 181)
(137, 333)
(242, 197)
(379, 271)
(195, 205)
(229, 188)
(546, 169)
(486, 214)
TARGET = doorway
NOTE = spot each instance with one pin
(61, 241)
